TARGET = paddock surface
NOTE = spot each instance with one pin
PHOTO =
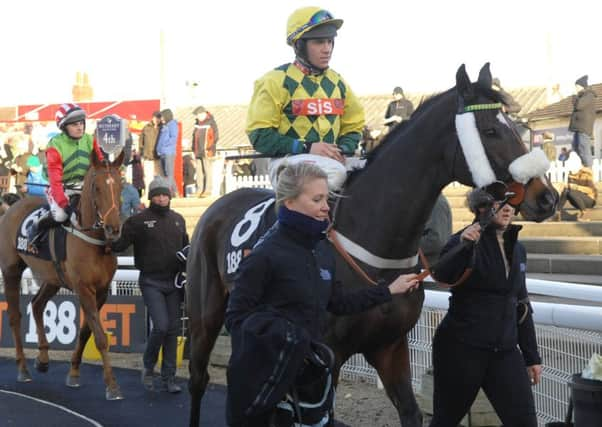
(47, 401)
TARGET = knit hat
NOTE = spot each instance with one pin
(397, 90)
(582, 81)
(159, 185)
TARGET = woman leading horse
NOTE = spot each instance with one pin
(87, 269)
(459, 135)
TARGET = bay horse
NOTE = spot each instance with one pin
(87, 270)
(459, 135)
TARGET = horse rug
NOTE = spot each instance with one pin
(245, 232)
(43, 242)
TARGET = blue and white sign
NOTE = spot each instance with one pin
(111, 133)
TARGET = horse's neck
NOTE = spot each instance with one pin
(86, 208)
(389, 204)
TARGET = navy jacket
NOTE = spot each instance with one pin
(278, 305)
(484, 311)
(296, 276)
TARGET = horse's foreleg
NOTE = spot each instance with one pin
(73, 376)
(91, 311)
(12, 291)
(203, 334)
(393, 366)
(38, 304)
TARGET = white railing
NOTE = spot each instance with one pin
(558, 173)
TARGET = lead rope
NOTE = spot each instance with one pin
(427, 272)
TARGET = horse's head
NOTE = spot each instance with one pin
(493, 150)
(101, 196)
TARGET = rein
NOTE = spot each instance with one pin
(333, 238)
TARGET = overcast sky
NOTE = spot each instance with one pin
(226, 45)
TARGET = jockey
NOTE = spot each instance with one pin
(68, 159)
(305, 108)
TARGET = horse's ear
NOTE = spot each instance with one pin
(485, 78)
(464, 87)
(119, 160)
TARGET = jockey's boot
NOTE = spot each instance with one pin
(36, 229)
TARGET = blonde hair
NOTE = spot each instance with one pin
(292, 178)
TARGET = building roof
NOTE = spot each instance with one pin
(231, 119)
(564, 107)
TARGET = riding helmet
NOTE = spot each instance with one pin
(69, 113)
(311, 23)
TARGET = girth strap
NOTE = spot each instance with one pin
(55, 261)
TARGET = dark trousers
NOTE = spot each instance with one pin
(578, 199)
(582, 145)
(162, 300)
(461, 370)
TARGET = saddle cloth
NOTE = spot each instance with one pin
(245, 232)
(42, 243)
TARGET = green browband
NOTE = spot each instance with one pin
(478, 107)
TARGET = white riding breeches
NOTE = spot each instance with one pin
(58, 213)
(336, 171)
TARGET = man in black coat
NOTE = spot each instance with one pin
(399, 109)
(157, 234)
(582, 120)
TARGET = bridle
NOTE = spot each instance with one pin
(100, 217)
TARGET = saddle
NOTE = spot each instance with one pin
(39, 236)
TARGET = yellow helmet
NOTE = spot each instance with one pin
(306, 19)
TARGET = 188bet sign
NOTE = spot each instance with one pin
(124, 317)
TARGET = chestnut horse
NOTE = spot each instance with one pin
(87, 270)
(459, 135)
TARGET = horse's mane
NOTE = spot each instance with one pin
(424, 106)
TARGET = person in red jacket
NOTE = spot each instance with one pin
(68, 159)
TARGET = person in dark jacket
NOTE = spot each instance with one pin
(204, 143)
(157, 234)
(399, 109)
(148, 148)
(437, 230)
(487, 338)
(282, 293)
(582, 120)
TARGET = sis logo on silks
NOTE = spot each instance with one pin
(325, 274)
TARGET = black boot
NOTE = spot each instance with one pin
(36, 230)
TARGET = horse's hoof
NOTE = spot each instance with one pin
(113, 394)
(40, 367)
(24, 377)
(72, 381)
